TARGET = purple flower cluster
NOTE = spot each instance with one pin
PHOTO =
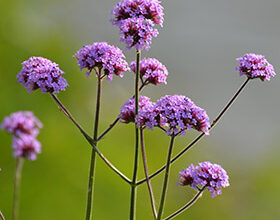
(206, 174)
(101, 55)
(26, 146)
(25, 128)
(20, 123)
(39, 72)
(136, 20)
(255, 66)
(151, 71)
(148, 9)
(179, 114)
(127, 114)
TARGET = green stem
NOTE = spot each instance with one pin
(166, 177)
(2, 216)
(90, 193)
(147, 174)
(188, 205)
(134, 178)
(201, 135)
(19, 165)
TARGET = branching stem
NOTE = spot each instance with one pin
(200, 136)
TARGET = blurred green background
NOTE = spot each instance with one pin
(198, 44)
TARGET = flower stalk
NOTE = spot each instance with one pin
(90, 193)
(166, 178)
(134, 178)
(188, 205)
(144, 157)
(2, 216)
(17, 181)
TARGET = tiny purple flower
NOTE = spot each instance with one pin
(23, 122)
(179, 114)
(255, 66)
(103, 56)
(26, 146)
(151, 71)
(39, 72)
(206, 174)
(137, 32)
(148, 9)
(127, 114)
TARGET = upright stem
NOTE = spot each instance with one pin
(188, 205)
(166, 177)
(147, 174)
(2, 216)
(19, 165)
(93, 153)
(134, 178)
(201, 135)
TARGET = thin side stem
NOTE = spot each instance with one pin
(108, 129)
(201, 135)
(147, 174)
(2, 216)
(166, 177)
(68, 114)
(188, 205)
(17, 180)
(134, 178)
(89, 139)
(90, 193)
(111, 126)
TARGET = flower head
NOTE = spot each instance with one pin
(136, 20)
(255, 66)
(148, 9)
(179, 114)
(137, 32)
(127, 114)
(206, 174)
(23, 122)
(26, 146)
(151, 71)
(101, 55)
(39, 72)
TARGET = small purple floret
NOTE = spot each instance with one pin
(26, 146)
(23, 122)
(255, 66)
(151, 71)
(213, 176)
(41, 73)
(179, 114)
(101, 55)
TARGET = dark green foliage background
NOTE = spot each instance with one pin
(198, 44)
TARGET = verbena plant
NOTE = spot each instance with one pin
(173, 114)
